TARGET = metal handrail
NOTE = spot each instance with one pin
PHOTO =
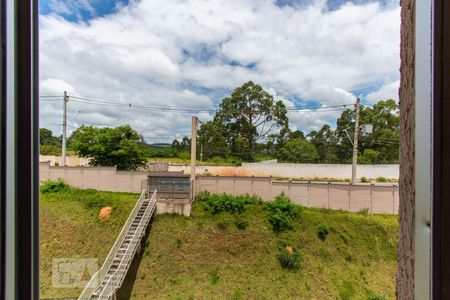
(98, 276)
(116, 278)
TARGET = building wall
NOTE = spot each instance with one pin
(405, 275)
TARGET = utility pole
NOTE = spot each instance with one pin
(193, 154)
(64, 137)
(355, 142)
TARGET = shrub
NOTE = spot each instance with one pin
(95, 202)
(222, 225)
(322, 231)
(281, 210)
(364, 179)
(278, 221)
(381, 179)
(241, 224)
(54, 186)
(364, 211)
(289, 256)
(216, 203)
(284, 205)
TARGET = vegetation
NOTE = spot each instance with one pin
(219, 261)
(245, 118)
(49, 144)
(54, 186)
(70, 227)
(121, 146)
(196, 258)
(281, 212)
(322, 231)
(289, 256)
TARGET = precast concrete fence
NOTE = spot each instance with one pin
(380, 198)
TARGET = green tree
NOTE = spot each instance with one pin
(245, 118)
(385, 136)
(298, 151)
(121, 146)
(49, 150)
(46, 138)
(325, 142)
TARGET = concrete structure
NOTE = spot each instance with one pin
(286, 170)
(71, 160)
(377, 198)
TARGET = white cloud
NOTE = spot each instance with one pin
(190, 53)
(387, 91)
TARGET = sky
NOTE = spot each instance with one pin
(193, 53)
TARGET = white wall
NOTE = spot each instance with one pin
(338, 171)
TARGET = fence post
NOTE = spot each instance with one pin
(393, 199)
(82, 177)
(309, 190)
(289, 189)
(349, 195)
(217, 184)
(328, 189)
(371, 198)
(270, 185)
(234, 185)
(98, 178)
(252, 183)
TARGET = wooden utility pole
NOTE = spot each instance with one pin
(193, 154)
(355, 142)
(64, 135)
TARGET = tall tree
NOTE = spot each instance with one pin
(325, 142)
(121, 146)
(298, 151)
(248, 116)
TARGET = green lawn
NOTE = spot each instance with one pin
(191, 258)
(70, 228)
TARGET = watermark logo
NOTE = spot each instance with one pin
(73, 272)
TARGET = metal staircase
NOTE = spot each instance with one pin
(109, 278)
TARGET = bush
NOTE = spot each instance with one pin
(241, 224)
(281, 210)
(381, 179)
(278, 221)
(54, 186)
(96, 202)
(289, 256)
(364, 179)
(284, 205)
(322, 231)
(217, 203)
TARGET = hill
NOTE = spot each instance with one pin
(206, 256)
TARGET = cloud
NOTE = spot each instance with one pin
(192, 53)
(386, 91)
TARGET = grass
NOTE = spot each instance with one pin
(70, 228)
(206, 257)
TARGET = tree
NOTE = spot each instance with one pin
(325, 142)
(298, 151)
(248, 116)
(121, 146)
(385, 136)
(46, 138)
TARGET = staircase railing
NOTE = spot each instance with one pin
(116, 279)
(98, 276)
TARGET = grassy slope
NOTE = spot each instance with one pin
(190, 258)
(69, 227)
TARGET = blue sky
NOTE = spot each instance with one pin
(193, 53)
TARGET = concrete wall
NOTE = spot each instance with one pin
(378, 199)
(338, 171)
(71, 160)
(99, 178)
